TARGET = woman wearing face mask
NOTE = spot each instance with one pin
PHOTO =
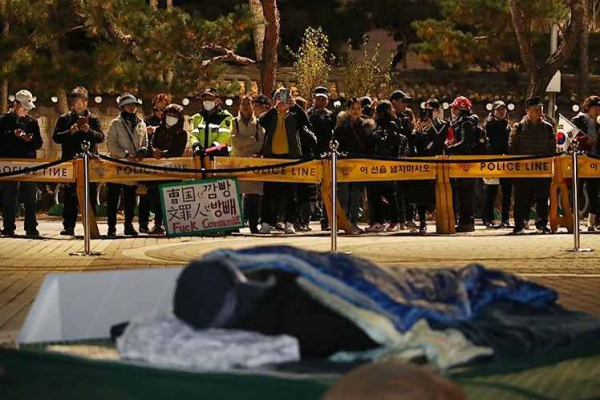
(159, 103)
(126, 139)
(169, 140)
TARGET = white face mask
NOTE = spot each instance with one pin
(208, 105)
(171, 121)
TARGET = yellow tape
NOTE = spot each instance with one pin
(541, 168)
(587, 167)
(310, 172)
(61, 173)
(362, 170)
(106, 171)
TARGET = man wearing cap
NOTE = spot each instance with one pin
(498, 129)
(587, 123)
(19, 138)
(323, 122)
(404, 120)
(261, 104)
(465, 125)
(532, 136)
(212, 125)
(72, 129)
(127, 139)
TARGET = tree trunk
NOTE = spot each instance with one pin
(584, 54)
(259, 30)
(4, 89)
(154, 4)
(268, 68)
(540, 74)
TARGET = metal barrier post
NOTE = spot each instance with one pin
(87, 234)
(334, 145)
(576, 233)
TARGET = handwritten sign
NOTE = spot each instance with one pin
(106, 171)
(360, 170)
(58, 173)
(541, 168)
(310, 172)
(205, 206)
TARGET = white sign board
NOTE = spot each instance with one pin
(205, 206)
(555, 84)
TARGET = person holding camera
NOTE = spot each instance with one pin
(159, 104)
(71, 131)
(211, 126)
(19, 138)
(127, 139)
(284, 128)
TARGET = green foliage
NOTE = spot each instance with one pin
(365, 74)
(480, 33)
(312, 61)
(56, 44)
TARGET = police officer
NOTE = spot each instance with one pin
(19, 138)
(498, 129)
(586, 122)
(465, 127)
(72, 129)
(212, 125)
(532, 136)
(323, 122)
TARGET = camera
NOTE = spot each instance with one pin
(426, 114)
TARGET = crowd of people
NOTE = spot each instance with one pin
(286, 127)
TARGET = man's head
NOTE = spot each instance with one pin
(246, 108)
(79, 99)
(533, 108)
(399, 100)
(210, 99)
(24, 102)
(128, 103)
(434, 105)
(159, 103)
(591, 106)
(321, 97)
(499, 109)
(392, 380)
(261, 104)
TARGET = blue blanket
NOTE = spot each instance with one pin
(405, 296)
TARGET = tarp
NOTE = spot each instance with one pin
(403, 295)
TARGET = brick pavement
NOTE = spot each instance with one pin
(24, 262)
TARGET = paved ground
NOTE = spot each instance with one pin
(543, 258)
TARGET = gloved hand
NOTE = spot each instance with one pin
(142, 152)
(197, 150)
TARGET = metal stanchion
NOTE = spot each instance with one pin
(87, 235)
(576, 233)
(334, 145)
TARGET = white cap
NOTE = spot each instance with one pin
(25, 98)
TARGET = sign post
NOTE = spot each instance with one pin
(576, 233)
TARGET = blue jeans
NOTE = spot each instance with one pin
(10, 191)
(350, 194)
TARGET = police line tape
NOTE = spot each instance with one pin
(108, 169)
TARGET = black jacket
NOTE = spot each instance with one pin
(295, 122)
(154, 121)
(170, 140)
(71, 142)
(14, 147)
(323, 123)
(434, 140)
(387, 141)
(353, 136)
(498, 133)
(466, 133)
(581, 122)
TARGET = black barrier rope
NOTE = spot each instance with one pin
(28, 170)
(594, 156)
(205, 170)
(433, 161)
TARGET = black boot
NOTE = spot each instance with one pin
(130, 231)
